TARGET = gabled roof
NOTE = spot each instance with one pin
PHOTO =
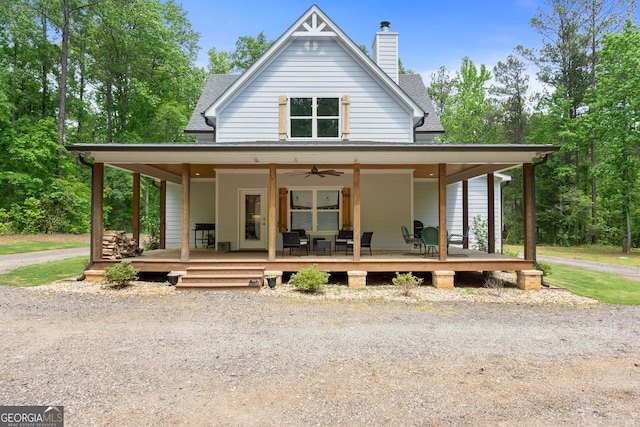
(410, 84)
(313, 23)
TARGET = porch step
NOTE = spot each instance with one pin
(222, 278)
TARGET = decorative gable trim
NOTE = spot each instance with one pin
(315, 23)
(314, 26)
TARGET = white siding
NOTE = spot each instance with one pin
(385, 207)
(385, 53)
(314, 68)
(426, 206)
(202, 206)
(228, 214)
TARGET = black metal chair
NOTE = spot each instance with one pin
(342, 238)
(304, 237)
(291, 239)
(365, 242)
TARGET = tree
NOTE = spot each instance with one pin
(511, 91)
(440, 89)
(468, 116)
(248, 50)
(615, 116)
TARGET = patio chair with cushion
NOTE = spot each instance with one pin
(430, 240)
(291, 239)
(304, 237)
(411, 239)
(342, 237)
(365, 242)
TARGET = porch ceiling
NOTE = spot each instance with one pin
(163, 161)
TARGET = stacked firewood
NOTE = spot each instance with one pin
(117, 245)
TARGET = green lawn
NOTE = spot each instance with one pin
(609, 288)
(43, 274)
(34, 245)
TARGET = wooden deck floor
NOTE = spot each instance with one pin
(167, 260)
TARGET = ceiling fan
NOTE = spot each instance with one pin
(314, 171)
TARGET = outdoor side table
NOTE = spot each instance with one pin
(323, 244)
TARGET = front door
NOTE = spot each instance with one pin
(253, 219)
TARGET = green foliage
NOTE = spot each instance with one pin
(545, 267)
(120, 275)
(467, 115)
(480, 230)
(406, 282)
(309, 279)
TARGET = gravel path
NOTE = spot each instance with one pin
(10, 262)
(627, 271)
(281, 358)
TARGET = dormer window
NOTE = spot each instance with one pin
(314, 117)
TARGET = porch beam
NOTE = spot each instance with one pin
(150, 171)
(186, 195)
(527, 190)
(135, 221)
(442, 211)
(97, 214)
(491, 214)
(465, 213)
(163, 214)
(356, 212)
(477, 171)
(272, 212)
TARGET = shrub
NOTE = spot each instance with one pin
(545, 267)
(120, 275)
(480, 229)
(309, 279)
(406, 282)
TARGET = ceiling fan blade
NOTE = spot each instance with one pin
(331, 172)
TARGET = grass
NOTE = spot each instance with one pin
(608, 288)
(34, 245)
(598, 253)
(44, 274)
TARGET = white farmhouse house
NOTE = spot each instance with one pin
(318, 136)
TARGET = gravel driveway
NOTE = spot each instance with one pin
(269, 358)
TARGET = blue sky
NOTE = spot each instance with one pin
(431, 33)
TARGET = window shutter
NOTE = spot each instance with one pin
(346, 208)
(346, 102)
(282, 210)
(282, 118)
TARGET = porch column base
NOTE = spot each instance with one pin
(278, 275)
(93, 276)
(443, 279)
(529, 280)
(357, 279)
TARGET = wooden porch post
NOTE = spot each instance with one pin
(442, 211)
(186, 195)
(527, 189)
(97, 215)
(491, 214)
(135, 223)
(356, 212)
(272, 212)
(465, 212)
(163, 214)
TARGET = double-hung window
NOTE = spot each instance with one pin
(314, 117)
(315, 210)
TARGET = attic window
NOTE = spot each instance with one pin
(314, 117)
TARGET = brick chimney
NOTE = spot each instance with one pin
(385, 50)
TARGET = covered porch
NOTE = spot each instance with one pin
(184, 164)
